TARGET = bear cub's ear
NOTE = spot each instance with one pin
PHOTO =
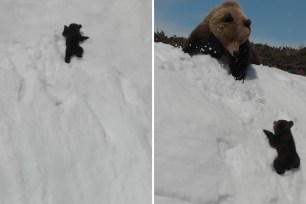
(290, 123)
(65, 31)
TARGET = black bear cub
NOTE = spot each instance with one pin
(73, 38)
(282, 140)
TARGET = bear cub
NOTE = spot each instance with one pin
(73, 38)
(282, 140)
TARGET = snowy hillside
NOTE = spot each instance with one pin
(209, 144)
(77, 133)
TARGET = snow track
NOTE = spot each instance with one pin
(210, 148)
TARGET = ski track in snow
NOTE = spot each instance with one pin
(210, 148)
(79, 132)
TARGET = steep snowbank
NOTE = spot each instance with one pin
(78, 132)
(209, 144)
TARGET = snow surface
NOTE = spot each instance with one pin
(81, 132)
(209, 143)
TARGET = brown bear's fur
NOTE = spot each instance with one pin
(225, 33)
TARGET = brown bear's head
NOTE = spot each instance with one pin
(282, 125)
(230, 26)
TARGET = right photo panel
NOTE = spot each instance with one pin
(230, 95)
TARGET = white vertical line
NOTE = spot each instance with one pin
(153, 102)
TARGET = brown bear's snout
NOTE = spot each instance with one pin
(235, 53)
(233, 48)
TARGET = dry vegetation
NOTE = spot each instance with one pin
(285, 58)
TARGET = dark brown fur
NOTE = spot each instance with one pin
(225, 33)
(73, 38)
(282, 140)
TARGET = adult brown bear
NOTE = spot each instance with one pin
(224, 33)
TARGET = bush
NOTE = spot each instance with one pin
(285, 58)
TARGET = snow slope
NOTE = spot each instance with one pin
(209, 144)
(80, 132)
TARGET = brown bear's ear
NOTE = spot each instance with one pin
(247, 23)
(290, 123)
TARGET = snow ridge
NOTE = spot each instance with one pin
(210, 147)
(69, 130)
(80, 132)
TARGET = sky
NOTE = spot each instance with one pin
(275, 22)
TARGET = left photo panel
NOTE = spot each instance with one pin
(76, 102)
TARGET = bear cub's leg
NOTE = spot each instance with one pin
(296, 162)
(279, 166)
(79, 52)
(68, 56)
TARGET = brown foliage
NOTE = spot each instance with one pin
(285, 58)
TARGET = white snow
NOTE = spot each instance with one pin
(81, 132)
(209, 143)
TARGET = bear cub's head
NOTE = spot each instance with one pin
(73, 28)
(282, 125)
(230, 26)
